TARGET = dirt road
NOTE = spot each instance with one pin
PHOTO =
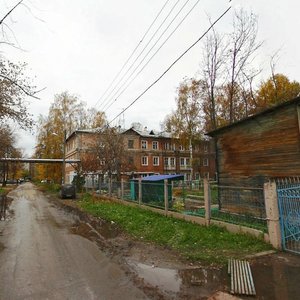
(41, 259)
(51, 250)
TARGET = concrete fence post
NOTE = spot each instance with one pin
(166, 196)
(207, 198)
(272, 213)
(140, 191)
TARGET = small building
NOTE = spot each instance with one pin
(263, 146)
(153, 188)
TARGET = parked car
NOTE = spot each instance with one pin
(68, 191)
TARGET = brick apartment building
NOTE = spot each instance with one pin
(150, 153)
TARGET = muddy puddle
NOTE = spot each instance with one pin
(104, 230)
(191, 283)
(276, 276)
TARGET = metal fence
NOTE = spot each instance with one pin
(240, 205)
(237, 205)
(288, 195)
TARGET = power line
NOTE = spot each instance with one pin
(149, 60)
(133, 52)
(108, 98)
(170, 67)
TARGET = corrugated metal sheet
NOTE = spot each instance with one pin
(163, 177)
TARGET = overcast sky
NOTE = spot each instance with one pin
(80, 45)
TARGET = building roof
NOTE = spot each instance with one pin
(150, 133)
(264, 112)
(163, 177)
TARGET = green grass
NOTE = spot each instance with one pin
(198, 243)
(246, 220)
(50, 187)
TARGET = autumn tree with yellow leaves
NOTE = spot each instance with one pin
(66, 114)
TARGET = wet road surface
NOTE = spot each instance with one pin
(41, 259)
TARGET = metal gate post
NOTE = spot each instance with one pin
(272, 213)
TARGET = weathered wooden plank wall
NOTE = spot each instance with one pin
(260, 148)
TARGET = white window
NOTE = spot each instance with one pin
(181, 148)
(205, 148)
(154, 145)
(182, 161)
(144, 144)
(205, 162)
(144, 160)
(155, 160)
(166, 161)
(172, 161)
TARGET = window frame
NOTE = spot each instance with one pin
(155, 158)
(142, 160)
(144, 144)
(155, 143)
(128, 144)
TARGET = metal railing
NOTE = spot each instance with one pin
(237, 205)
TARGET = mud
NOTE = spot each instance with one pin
(275, 276)
(162, 274)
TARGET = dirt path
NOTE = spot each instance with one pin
(51, 250)
(41, 259)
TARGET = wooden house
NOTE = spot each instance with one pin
(263, 146)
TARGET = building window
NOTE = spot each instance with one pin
(155, 161)
(130, 160)
(172, 161)
(182, 161)
(181, 148)
(154, 145)
(205, 148)
(166, 161)
(205, 162)
(130, 144)
(144, 144)
(144, 160)
(187, 162)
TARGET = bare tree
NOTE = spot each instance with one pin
(14, 85)
(212, 66)
(242, 48)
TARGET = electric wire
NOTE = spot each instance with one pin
(133, 52)
(153, 55)
(141, 52)
(172, 64)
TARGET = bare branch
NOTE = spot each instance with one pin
(20, 87)
(10, 11)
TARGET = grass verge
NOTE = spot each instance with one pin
(197, 243)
